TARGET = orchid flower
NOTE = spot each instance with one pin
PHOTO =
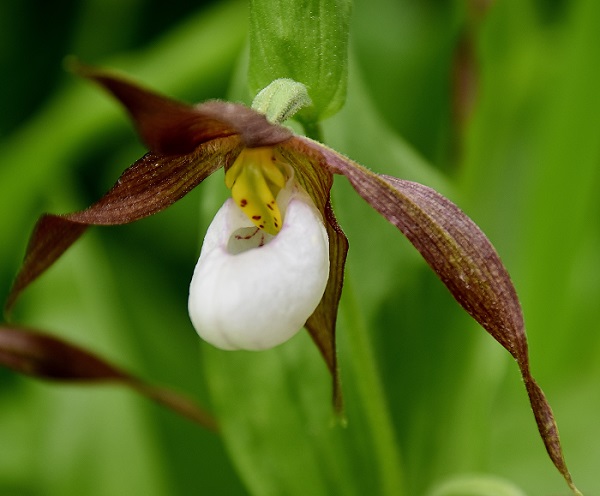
(273, 258)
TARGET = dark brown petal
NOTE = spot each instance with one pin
(45, 357)
(170, 127)
(166, 126)
(321, 324)
(252, 126)
(317, 181)
(465, 261)
(150, 185)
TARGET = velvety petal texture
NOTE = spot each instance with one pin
(253, 291)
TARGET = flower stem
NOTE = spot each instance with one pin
(373, 397)
(312, 129)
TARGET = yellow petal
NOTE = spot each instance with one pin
(255, 179)
(253, 195)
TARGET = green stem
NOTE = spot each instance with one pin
(373, 396)
(312, 129)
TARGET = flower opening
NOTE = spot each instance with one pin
(255, 179)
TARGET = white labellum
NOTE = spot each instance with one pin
(251, 290)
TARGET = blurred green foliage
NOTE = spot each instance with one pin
(431, 398)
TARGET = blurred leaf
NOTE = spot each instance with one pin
(279, 425)
(531, 175)
(404, 50)
(476, 485)
(45, 357)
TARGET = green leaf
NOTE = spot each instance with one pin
(476, 485)
(305, 41)
(278, 424)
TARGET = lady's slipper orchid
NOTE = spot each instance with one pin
(253, 289)
(273, 258)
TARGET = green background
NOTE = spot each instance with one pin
(432, 401)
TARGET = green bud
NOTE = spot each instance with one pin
(281, 100)
(305, 41)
